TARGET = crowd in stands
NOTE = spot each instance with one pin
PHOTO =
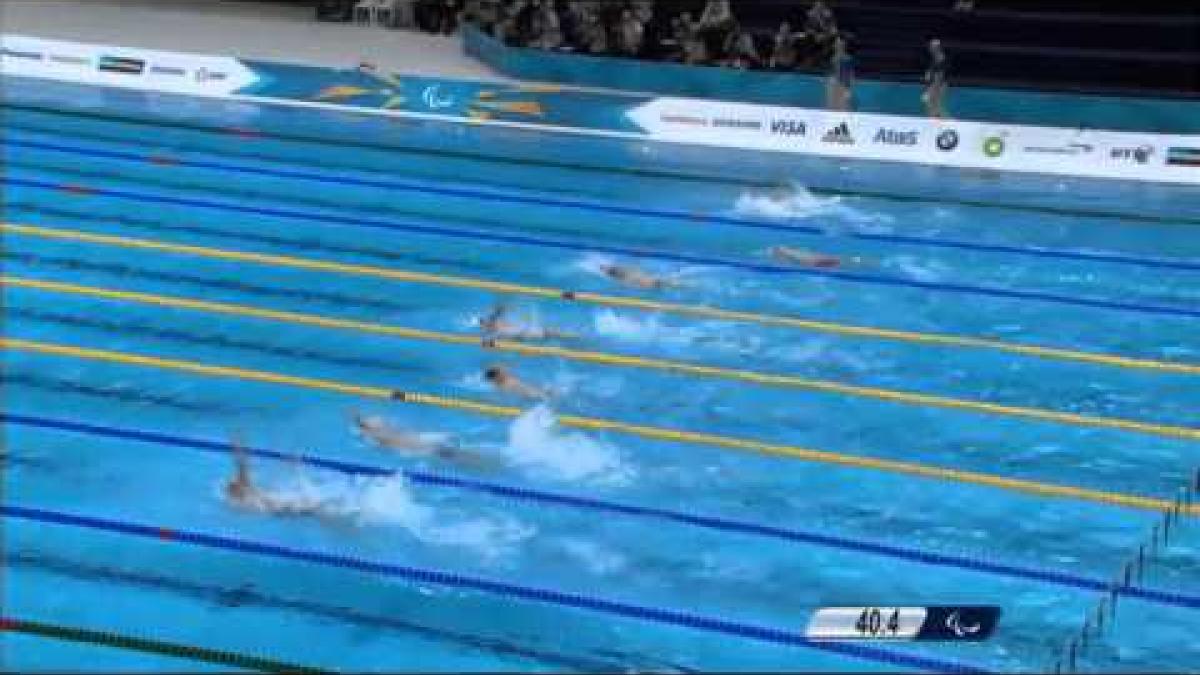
(640, 29)
(808, 41)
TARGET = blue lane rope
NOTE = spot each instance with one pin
(578, 204)
(588, 503)
(531, 593)
(483, 235)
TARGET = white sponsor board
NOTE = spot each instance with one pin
(978, 145)
(192, 74)
(963, 144)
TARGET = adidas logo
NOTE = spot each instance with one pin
(839, 134)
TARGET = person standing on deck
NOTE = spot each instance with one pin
(838, 88)
(935, 81)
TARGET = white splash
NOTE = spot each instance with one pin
(599, 560)
(793, 201)
(390, 502)
(637, 328)
(594, 263)
(784, 202)
(536, 442)
(917, 269)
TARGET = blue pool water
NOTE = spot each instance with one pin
(575, 548)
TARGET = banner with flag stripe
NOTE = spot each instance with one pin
(1183, 156)
(118, 64)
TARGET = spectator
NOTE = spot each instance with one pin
(718, 15)
(629, 34)
(838, 88)
(484, 13)
(446, 17)
(643, 11)
(595, 37)
(507, 29)
(531, 11)
(575, 20)
(784, 54)
(695, 51)
(670, 44)
(935, 81)
(716, 23)
(821, 28)
(740, 49)
(547, 28)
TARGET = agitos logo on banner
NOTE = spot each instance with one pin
(120, 64)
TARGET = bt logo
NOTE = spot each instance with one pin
(1140, 154)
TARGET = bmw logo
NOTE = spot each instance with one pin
(993, 146)
(1142, 154)
(947, 140)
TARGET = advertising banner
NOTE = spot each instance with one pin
(892, 138)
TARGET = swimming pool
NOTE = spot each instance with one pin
(728, 455)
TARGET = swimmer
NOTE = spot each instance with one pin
(800, 256)
(495, 325)
(631, 276)
(242, 492)
(505, 381)
(376, 430)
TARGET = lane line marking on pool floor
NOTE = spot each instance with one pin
(588, 503)
(768, 379)
(508, 237)
(597, 424)
(491, 586)
(604, 300)
(515, 197)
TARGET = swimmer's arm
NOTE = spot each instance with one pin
(466, 458)
(241, 464)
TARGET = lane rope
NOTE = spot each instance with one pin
(597, 424)
(724, 179)
(438, 577)
(511, 196)
(558, 244)
(604, 300)
(586, 503)
(516, 347)
(153, 646)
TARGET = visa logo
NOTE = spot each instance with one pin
(788, 127)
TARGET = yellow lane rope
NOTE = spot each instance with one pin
(770, 379)
(657, 433)
(392, 274)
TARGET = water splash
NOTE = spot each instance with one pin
(537, 443)
(598, 559)
(793, 201)
(649, 329)
(390, 502)
(788, 201)
(920, 270)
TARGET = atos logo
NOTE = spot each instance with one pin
(893, 137)
(788, 127)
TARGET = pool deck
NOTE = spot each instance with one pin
(237, 29)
